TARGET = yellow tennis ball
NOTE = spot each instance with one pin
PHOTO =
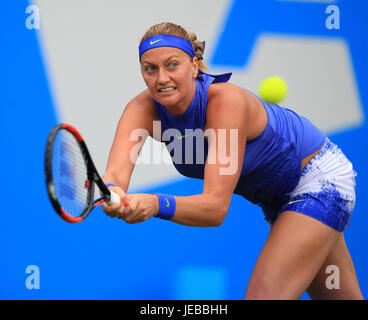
(273, 90)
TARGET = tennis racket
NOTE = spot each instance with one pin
(71, 175)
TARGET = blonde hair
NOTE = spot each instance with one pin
(177, 30)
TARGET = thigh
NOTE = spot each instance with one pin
(293, 254)
(337, 278)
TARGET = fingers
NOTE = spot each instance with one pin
(141, 207)
(133, 208)
(113, 209)
(132, 212)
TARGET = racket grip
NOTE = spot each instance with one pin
(114, 198)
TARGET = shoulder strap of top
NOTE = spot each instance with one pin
(225, 77)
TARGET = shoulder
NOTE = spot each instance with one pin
(227, 98)
(226, 92)
(143, 99)
(231, 105)
(222, 88)
(140, 113)
(142, 104)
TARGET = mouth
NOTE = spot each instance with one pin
(167, 89)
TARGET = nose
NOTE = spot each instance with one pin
(163, 76)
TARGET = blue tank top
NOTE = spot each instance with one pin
(272, 161)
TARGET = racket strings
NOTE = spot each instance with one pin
(69, 173)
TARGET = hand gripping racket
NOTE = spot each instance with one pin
(71, 175)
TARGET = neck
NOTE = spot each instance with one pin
(183, 105)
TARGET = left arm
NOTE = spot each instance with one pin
(226, 119)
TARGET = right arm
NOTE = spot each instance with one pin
(139, 114)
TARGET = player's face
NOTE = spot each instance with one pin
(170, 77)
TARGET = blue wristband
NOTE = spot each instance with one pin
(167, 206)
(109, 184)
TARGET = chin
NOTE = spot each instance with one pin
(167, 100)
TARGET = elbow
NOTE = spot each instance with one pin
(218, 206)
(216, 223)
(219, 218)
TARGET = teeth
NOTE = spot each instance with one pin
(167, 89)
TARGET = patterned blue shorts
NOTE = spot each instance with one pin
(326, 190)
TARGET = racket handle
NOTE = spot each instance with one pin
(114, 198)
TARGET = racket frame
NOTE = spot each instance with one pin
(92, 175)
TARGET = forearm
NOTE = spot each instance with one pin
(119, 180)
(202, 210)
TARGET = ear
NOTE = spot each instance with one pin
(195, 66)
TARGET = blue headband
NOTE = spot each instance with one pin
(166, 40)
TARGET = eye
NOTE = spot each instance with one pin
(173, 64)
(149, 68)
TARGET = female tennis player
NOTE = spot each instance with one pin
(278, 160)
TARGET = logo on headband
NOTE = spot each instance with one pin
(153, 42)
